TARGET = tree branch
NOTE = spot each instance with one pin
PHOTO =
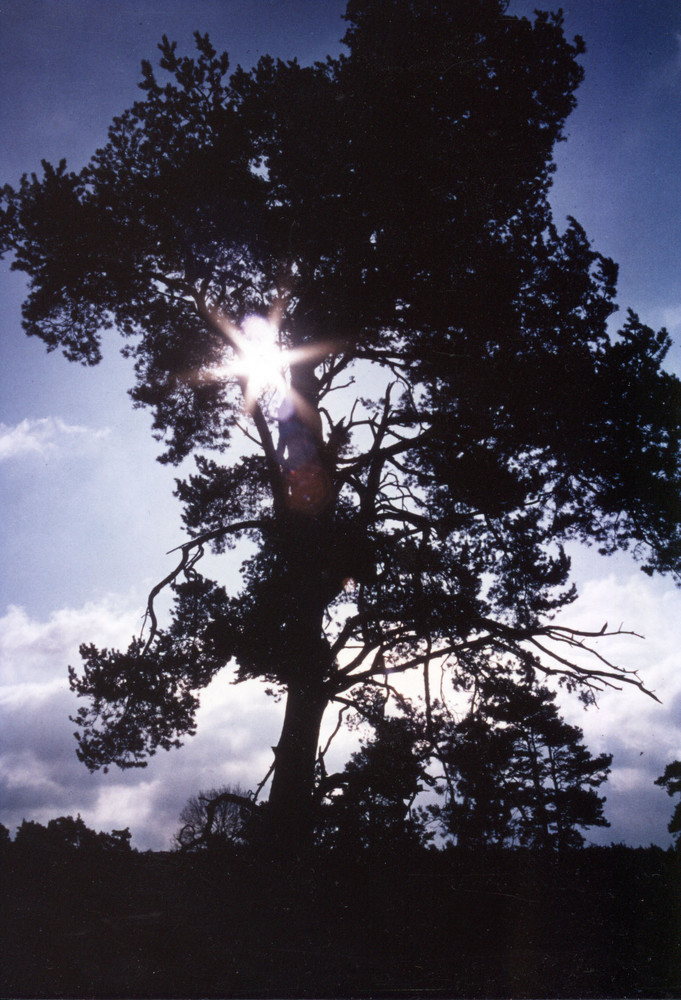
(185, 566)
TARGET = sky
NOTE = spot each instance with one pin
(88, 514)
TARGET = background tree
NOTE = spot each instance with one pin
(384, 218)
(371, 806)
(518, 774)
(671, 782)
(215, 819)
(479, 810)
(67, 833)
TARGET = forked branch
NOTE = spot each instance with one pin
(188, 560)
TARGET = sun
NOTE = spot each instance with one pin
(261, 364)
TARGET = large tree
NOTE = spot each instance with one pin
(383, 216)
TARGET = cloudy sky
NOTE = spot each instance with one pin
(88, 515)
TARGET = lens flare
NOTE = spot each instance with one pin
(261, 364)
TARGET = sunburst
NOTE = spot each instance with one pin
(262, 364)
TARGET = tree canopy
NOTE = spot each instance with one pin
(670, 780)
(518, 774)
(446, 409)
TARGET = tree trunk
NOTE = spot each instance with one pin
(290, 810)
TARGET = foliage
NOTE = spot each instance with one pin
(671, 782)
(370, 806)
(518, 774)
(462, 406)
(67, 833)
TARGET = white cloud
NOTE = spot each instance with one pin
(650, 609)
(36, 652)
(40, 775)
(43, 436)
(642, 734)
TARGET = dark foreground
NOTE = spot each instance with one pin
(605, 922)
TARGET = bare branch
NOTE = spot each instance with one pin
(208, 536)
(339, 723)
(150, 614)
(508, 639)
(185, 565)
(264, 781)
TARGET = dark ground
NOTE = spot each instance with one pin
(604, 922)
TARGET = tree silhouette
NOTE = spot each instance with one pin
(68, 834)
(518, 774)
(215, 819)
(447, 408)
(671, 782)
(370, 805)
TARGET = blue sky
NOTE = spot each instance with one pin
(88, 515)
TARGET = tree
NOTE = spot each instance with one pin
(519, 774)
(67, 833)
(446, 408)
(671, 782)
(479, 810)
(370, 806)
(215, 819)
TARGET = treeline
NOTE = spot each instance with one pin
(65, 833)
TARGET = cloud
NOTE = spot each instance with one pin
(642, 735)
(35, 653)
(40, 775)
(43, 436)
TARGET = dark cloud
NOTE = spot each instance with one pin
(40, 776)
